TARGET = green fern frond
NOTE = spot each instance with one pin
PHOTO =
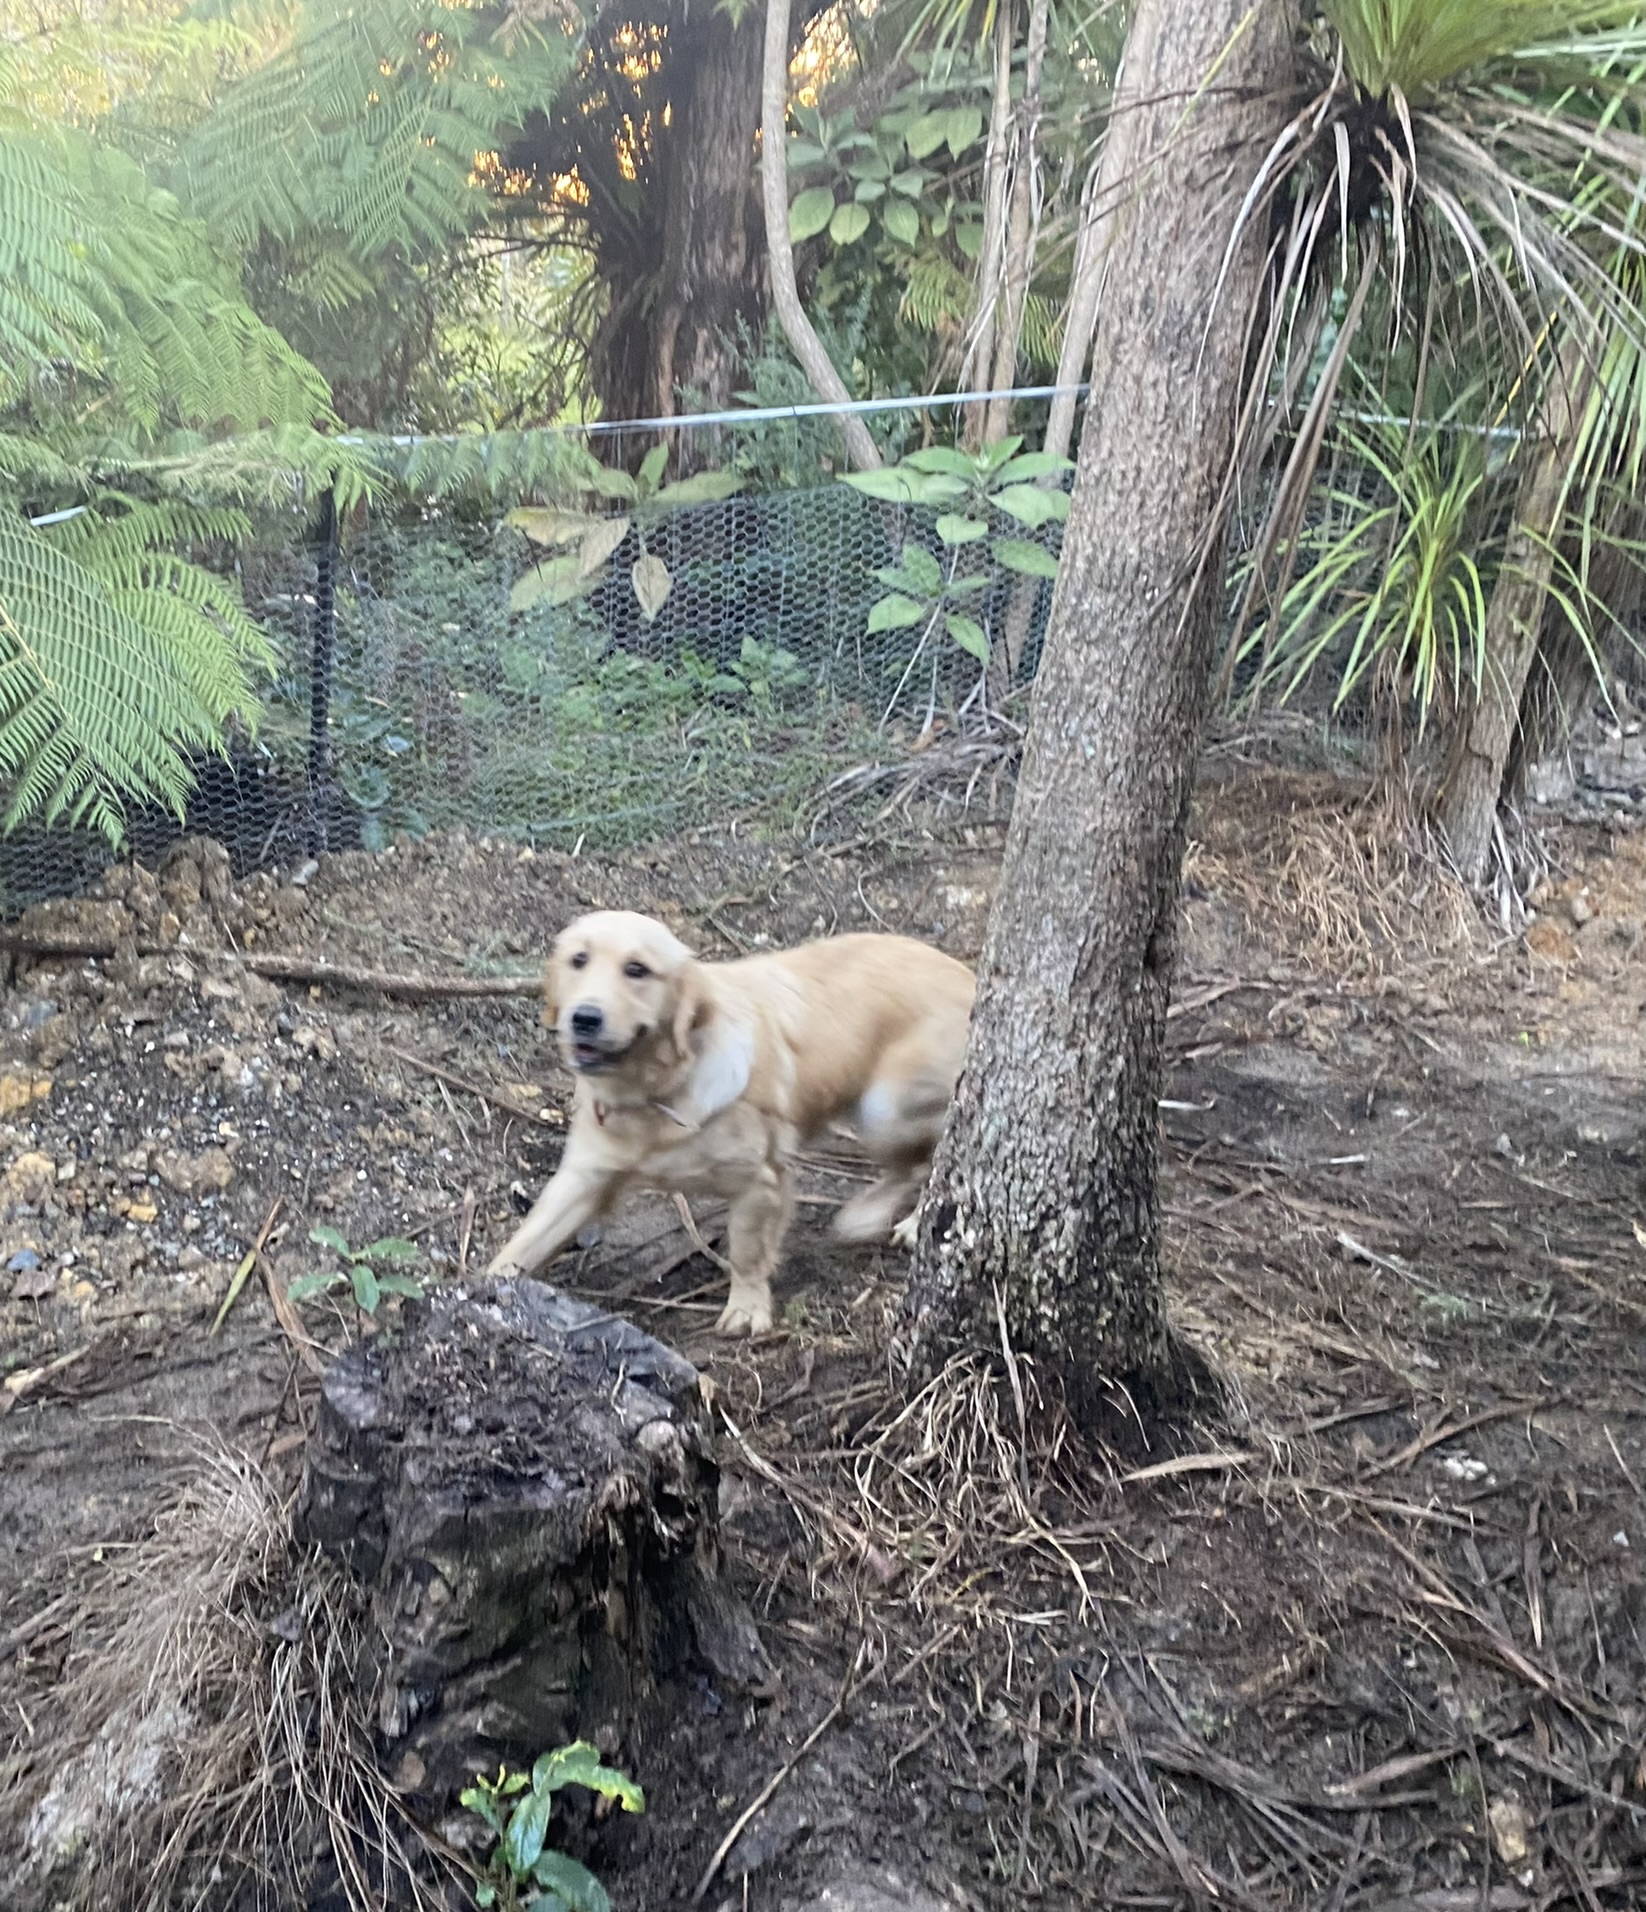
(368, 124)
(936, 294)
(1041, 339)
(118, 661)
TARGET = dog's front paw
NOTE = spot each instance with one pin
(907, 1231)
(500, 1268)
(745, 1315)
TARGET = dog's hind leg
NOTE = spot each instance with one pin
(756, 1225)
(899, 1119)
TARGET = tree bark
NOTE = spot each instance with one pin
(1045, 1185)
(1022, 229)
(774, 184)
(1466, 808)
(711, 276)
(978, 360)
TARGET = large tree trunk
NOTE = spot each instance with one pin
(774, 187)
(1044, 1186)
(712, 270)
(1466, 808)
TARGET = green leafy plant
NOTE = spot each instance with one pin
(879, 174)
(363, 1270)
(984, 501)
(597, 536)
(524, 1873)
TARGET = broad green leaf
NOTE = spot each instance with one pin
(652, 468)
(556, 582)
(849, 224)
(306, 1285)
(943, 458)
(528, 1827)
(811, 212)
(478, 1800)
(606, 535)
(408, 1285)
(579, 1764)
(485, 1895)
(1017, 554)
(545, 524)
(1031, 505)
(920, 566)
(953, 529)
(567, 1883)
(897, 485)
(324, 1237)
(614, 484)
(367, 1289)
(969, 635)
(961, 126)
(867, 191)
(902, 221)
(1034, 464)
(872, 165)
(894, 613)
(651, 581)
(927, 133)
(703, 488)
(911, 182)
(803, 153)
(391, 1248)
(968, 236)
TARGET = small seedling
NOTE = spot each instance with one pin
(524, 1873)
(363, 1270)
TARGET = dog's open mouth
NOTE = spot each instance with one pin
(593, 1058)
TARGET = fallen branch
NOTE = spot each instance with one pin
(549, 1115)
(287, 969)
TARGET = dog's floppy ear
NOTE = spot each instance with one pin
(551, 987)
(693, 1008)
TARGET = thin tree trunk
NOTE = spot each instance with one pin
(1022, 230)
(1466, 809)
(1107, 197)
(1045, 1184)
(978, 361)
(774, 184)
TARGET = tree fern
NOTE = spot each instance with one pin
(117, 661)
(368, 124)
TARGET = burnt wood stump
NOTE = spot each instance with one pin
(525, 1484)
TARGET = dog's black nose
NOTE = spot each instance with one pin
(587, 1020)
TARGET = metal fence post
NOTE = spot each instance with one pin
(320, 671)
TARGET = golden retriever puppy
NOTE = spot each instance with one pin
(704, 1079)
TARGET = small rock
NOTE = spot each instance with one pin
(875, 1889)
(1580, 909)
(1464, 1467)
(32, 1283)
(18, 1092)
(1511, 1834)
(209, 1172)
(23, 1262)
(1505, 1147)
(31, 1178)
(306, 875)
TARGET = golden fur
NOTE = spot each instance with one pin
(704, 1079)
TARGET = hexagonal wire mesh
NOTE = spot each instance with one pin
(410, 696)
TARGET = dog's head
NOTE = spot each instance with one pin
(620, 990)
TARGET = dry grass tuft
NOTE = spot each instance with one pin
(210, 1742)
(1346, 884)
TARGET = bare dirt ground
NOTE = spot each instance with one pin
(1372, 1640)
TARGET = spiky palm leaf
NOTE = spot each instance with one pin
(1460, 157)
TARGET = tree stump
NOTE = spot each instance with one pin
(525, 1484)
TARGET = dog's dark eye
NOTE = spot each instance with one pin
(580, 960)
(636, 972)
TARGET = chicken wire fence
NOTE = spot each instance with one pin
(416, 691)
